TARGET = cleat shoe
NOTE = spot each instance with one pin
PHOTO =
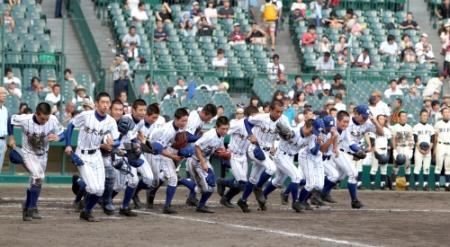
(78, 206)
(127, 212)
(447, 188)
(35, 214)
(75, 186)
(284, 198)
(169, 210)
(260, 198)
(220, 187)
(108, 212)
(192, 202)
(243, 205)
(226, 203)
(88, 217)
(357, 204)
(150, 200)
(137, 204)
(305, 206)
(383, 187)
(315, 199)
(297, 207)
(27, 214)
(328, 198)
(372, 186)
(437, 187)
(426, 188)
(204, 210)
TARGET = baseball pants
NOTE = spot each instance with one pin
(2, 153)
(374, 164)
(345, 168)
(442, 158)
(330, 170)
(408, 152)
(259, 166)
(156, 169)
(239, 166)
(36, 166)
(199, 175)
(286, 168)
(92, 172)
(168, 169)
(313, 171)
(422, 161)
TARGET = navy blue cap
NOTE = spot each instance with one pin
(318, 126)
(328, 122)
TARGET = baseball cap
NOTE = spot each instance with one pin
(425, 35)
(318, 126)
(236, 25)
(328, 121)
(363, 110)
(326, 87)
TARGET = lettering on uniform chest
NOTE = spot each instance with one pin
(424, 132)
(268, 130)
(95, 131)
(444, 130)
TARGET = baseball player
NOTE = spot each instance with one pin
(304, 143)
(381, 145)
(442, 150)
(37, 131)
(402, 146)
(260, 152)
(95, 126)
(342, 162)
(166, 161)
(151, 123)
(196, 121)
(239, 164)
(199, 166)
(424, 139)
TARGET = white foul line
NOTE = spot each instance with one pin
(260, 229)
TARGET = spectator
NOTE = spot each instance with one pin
(87, 105)
(446, 52)
(409, 56)
(220, 62)
(9, 22)
(170, 94)
(406, 42)
(338, 86)
(435, 111)
(121, 74)
(240, 113)
(389, 47)
(324, 44)
(443, 11)
(226, 12)
(68, 113)
(333, 21)
(223, 87)
(397, 108)
(13, 2)
(22, 108)
(289, 111)
(424, 50)
(55, 95)
(343, 58)
(266, 107)
(436, 95)
(256, 35)
(189, 29)
(10, 78)
(363, 60)
(309, 89)
(282, 79)
(68, 78)
(296, 16)
(210, 11)
(446, 88)
(381, 108)
(434, 84)
(131, 36)
(13, 90)
(160, 35)
(418, 83)
(146, 87)
(318, 84)
(275, 68)
(269, 12)
(123, 97)
(409, 23)
(195, 12)
(51, 81)
(309, 38)
(348, 16)
(132, 52)
(413, 94)
(80, 95)
(181, 85)
(446, 99)
(204, 28)
(300, 99)
(236, 37)
(297, 87)
(278, 95)
(342, 43)
(299, 5)
(325, 62)
(316, 11)
(338, 103)
(185, 18)
(35, 86)
(403, 83)
(444, 32)
(393, 90)
(165, 14)
(326, 92)
(220, 111)
(254, 101)
(354, 26)
(427, 104)
(139, 14)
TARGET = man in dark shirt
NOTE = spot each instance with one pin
(226, 12)
(204, 29)
(160, 35)
(338, 85)
(409, 23)
(443, 11)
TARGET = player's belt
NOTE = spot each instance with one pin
(404, 145)
(89, 151)
(445, 143)
(382, 148)
(326, 157)
(265, 148)
(288, 154)
(2, 137)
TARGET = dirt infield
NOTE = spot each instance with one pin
(389, 219)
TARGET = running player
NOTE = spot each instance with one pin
(199, 166)
(94, 126)
(402, 146)
(424, 139)
(381, 147)
(37, 131)
(442, 150)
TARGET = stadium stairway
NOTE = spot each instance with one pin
(74, 56)
(421, 15)
(286, 49)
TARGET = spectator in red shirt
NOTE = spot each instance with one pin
(309, 38)
(237, 37)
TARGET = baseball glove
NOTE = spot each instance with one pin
(284, 131)
(424, 146)
(223, 154)
(124, 125)
(360, 155)
(180, 140)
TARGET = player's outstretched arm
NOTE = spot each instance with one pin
(68, 138)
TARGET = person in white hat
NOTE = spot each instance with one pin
(424, 50)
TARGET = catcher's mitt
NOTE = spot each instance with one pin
(360, 155)
(180, 140)
(124, 125)
(284, 131)
(223, 154)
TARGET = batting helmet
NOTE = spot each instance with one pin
(186, 152)
(318, 126)
(400, 159)
(424, 146)
(383, 159)
(328, 122)
(124, 125)
(15, 156)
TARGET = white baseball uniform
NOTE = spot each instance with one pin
(381, 146)
(265, 132)
(238, 147)
(148, 129)
(404, 140)
(310, 164)
(442, 129)
(93, 129)
(208, 143)
(329, 166)
(195, 123)
(35, 143)
(423, 133)
(343, 162)
(357, 132)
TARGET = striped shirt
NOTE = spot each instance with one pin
(265, 129)
(195, 123)
(298, 144)
(239, 138)
(209, 143)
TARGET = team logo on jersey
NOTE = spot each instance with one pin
(95, 132)
(267, 130)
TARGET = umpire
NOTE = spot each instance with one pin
(121, 72)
